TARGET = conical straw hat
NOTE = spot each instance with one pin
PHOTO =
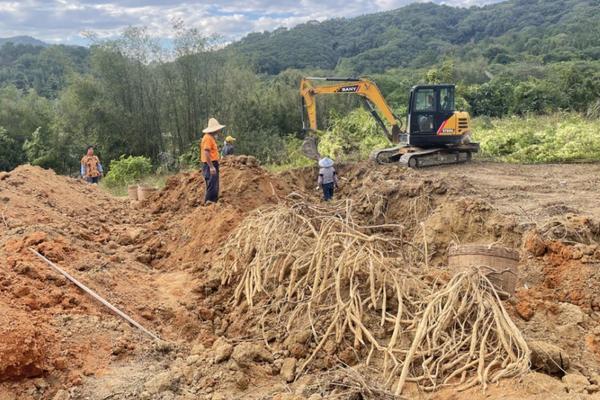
(213, 126)
(325, 162)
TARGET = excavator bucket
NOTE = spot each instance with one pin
(310, 147)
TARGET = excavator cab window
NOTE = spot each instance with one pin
(447, 99)
(423, 111)
(425, 100)
(430, 106)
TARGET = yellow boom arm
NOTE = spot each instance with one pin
(365, 88)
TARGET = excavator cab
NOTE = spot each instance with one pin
(432, 117)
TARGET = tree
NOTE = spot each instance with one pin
(442, 74)
(10, 155)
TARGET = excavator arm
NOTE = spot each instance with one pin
(364, 88)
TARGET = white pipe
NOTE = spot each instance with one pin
(94, 295)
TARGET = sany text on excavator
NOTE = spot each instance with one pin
(435, 132)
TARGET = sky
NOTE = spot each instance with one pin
(65, 21)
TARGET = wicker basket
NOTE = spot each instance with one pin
(132, 192)
(144, 192)
(501, 262)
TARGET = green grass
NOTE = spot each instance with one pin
(559, 137)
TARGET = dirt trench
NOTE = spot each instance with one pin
(155, 259)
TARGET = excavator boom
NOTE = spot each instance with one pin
(364, 88)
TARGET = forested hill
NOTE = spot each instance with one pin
(29, 65)
(422, 34)
(417, 35)
(27, 40)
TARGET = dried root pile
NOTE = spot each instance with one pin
(352, 284)
(464, 337)
(571, 230)
(351, 383)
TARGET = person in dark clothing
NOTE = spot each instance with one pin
(228, 148)
(209, 155)
(327, 178)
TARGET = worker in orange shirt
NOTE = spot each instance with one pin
(209, 155)
(91, 168)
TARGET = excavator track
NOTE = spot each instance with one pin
(415, 157)
(386, 156)
(439, 156)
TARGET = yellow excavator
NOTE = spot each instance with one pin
(435, 133)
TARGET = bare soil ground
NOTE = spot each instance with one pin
(155, 259)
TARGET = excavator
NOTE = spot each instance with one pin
(435, 133)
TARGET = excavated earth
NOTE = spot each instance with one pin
(153, 260)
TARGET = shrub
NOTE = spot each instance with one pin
(561, 137)
(352, 136)
(293, 157)
(593, 111)
(127, 170)
(191, 157)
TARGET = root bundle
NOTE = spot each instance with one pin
(464, 337)
(314, 267)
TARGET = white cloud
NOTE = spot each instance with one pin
(9, 6)
(64, 20)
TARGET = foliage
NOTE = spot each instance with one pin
(560, 137)
(9, 151)
(293, 156)
(127, 170)
(137, 99)
(21, 115)
(420, 35)
(154, 180)
(445, 73)
(43, 69)
(353, 136)
(528, 89)
(492, 98)
(593, 110)
(129, 95)
(28, 40)
(190, 158)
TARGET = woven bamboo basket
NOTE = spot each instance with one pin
(144, 192)
(501, 262)
(132, 192)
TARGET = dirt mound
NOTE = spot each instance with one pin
(195, 231)
(157, 262)
(465, 220)
(56, 330)
(32, 195)
(430, 209)
(243, 184)
(23, 348)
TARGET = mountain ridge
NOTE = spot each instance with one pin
(23, 40)
(421, 34)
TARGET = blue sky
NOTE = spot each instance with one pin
(64, 21)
